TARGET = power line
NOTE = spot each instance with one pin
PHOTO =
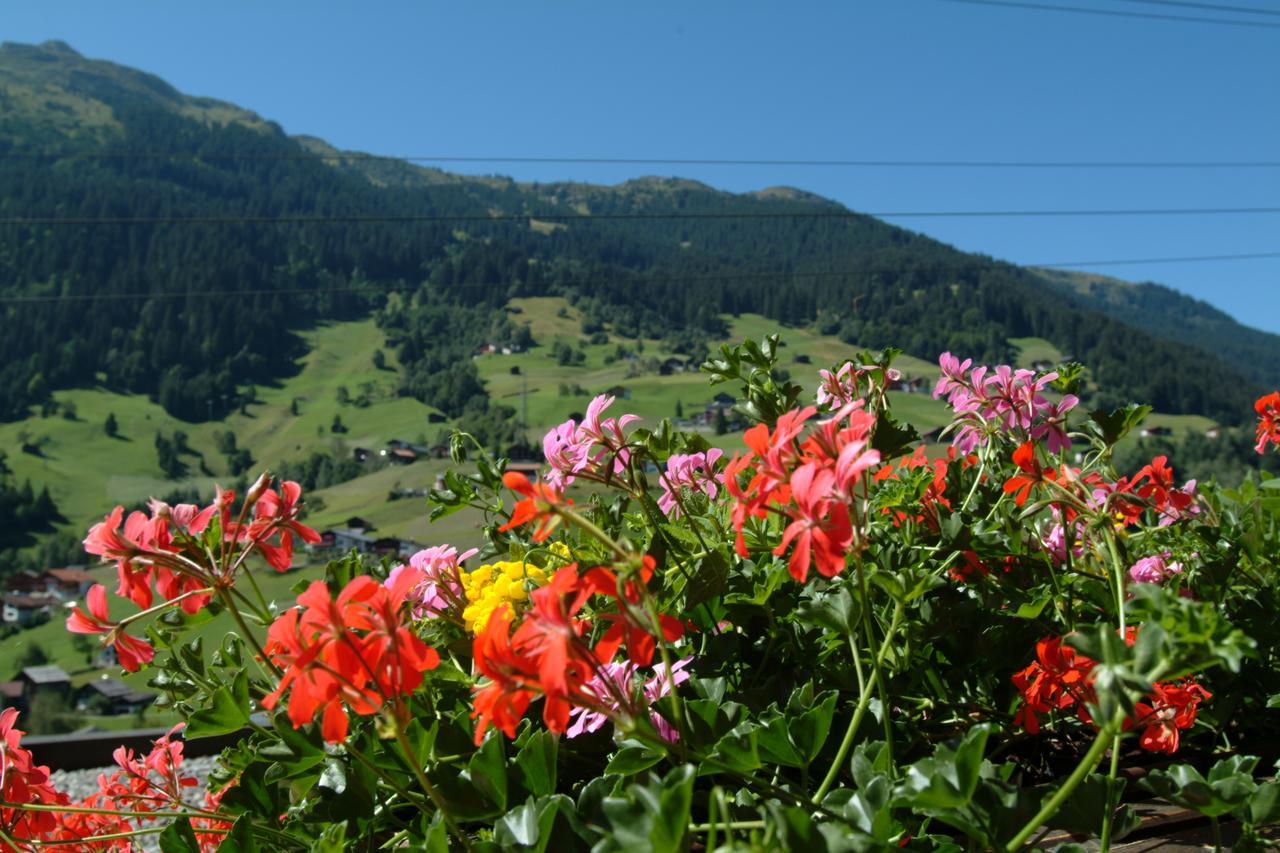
(1049, 7)
(1186, 4)
(649, 161)
(721, 278)
(410, 218)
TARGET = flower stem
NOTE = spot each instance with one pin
(431, 790)
(1108, 815)
(864, 702)
(249, 636)
(876, 672)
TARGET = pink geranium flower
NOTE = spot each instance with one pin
(693, 471)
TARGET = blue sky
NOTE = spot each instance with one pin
(865, 79)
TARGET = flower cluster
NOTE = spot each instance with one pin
(1154, 569)
(168, 553)
(692, 472)
(1151, 488)
(495, 586)
(539, 502)
(130, 651)
(1060, 680)
(1005, 400)
(440, 589)
(349, 652)
(595, 446)
(812, 482)
(22, 782)
(839, 389)
(616, 686)
(549, 654)
(140, 790)
(934, 497)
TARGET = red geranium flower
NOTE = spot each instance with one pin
(1032, 473)
(540, 501)
(1268, 409)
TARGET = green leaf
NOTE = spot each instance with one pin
(179, 837)
(530, 825)
(227, 712)
(738, 750)
(948, 779)
(809, 732)
(774, 742)
(1083, 811)
(708, 580)
(1031, 609)
(1116, 424)
(631, 760)
(536, 763)
(332, 840)
(488, 771)
(241, 840)
(1264, 805)
(837, 611)
(892, 438)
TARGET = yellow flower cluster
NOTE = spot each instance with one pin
(505, 582)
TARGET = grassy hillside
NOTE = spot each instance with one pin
(87, 471)
(652, 396)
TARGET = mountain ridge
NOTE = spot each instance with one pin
(865, 280)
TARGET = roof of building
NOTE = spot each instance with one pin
(349, 533)
(114, 688)
(71, 575)
(45, 674)
(27, 602)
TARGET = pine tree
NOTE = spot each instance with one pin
(110, 427)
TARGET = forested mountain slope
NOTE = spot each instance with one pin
(202, 239)
(1166, 313)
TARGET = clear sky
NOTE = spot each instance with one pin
(859, 79)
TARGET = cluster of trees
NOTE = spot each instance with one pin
(169, 453)
(24, 509)
(320, 470)
(1226, 459)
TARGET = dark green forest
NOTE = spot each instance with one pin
(191, 312)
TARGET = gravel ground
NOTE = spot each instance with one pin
(82, 783)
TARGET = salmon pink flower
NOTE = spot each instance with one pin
(23, 782)
(276, 514)
(130, 651)
(820, 527)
